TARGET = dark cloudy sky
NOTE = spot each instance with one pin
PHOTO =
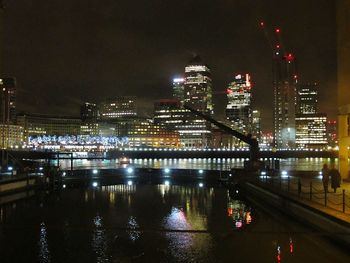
(66, 52)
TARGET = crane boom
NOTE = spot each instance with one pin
(252, 142)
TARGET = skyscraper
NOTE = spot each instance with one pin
(238, 109)
(8, 100)
(198, 86)
(284, 84)
(195, 131)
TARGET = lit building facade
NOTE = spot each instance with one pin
(311, 126)
(198, 86)
(311, 131)
(284, 85)
(194, 131)
(119, 107)
(146, 134)
(38, 124)
(8, 100)
(238, 109)
(11, 136)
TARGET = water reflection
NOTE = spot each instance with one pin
(99, 240)
(302, 164)
(134, 234)
(44, 253)
(239, 212)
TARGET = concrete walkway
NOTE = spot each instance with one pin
(310, 192)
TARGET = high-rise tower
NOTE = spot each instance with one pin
(284, 85)
(238, 109)
(198, 86)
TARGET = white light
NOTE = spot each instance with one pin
(129, 182)
(167, 170)
(40, 168)
(94, 184)
(94, 171)
(64, 174)
(200, 184)
(263, 173)
(10, 168)
(130, 170)
(284, 174)
(167, 182)
(230, 175)
(237, 191)
(200, 171)
(64, 186)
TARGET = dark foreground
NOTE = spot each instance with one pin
(155, 223)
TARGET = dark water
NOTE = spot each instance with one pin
(154, 223)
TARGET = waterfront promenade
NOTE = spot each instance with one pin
(310, 192)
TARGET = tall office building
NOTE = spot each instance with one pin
(119, 107)
(195, 131)
(307, 98)
(238, 109)
(311, 126)
(198, 86)
(8, 100)
(284, 84)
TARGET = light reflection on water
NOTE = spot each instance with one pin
(150, 223)
(44, 253)
(302, 164)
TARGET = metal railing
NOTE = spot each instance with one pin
(308, 189)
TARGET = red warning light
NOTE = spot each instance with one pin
(290, 57)
(295, 76)
(278, 46)
(278, 30)
(262, 23)
(229, 91)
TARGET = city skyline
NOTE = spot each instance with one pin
(104, 51)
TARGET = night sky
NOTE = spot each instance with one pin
(66, 52)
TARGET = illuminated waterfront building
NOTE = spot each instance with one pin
(39, 124)
(238, 109)
(311, 126)
(146, 134)
(119, 107)
(311, 131)
(11, 136)
(8, 101)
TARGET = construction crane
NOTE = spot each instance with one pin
(252, 142)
